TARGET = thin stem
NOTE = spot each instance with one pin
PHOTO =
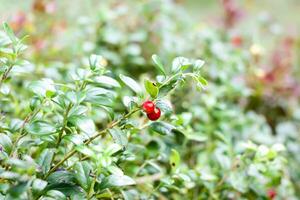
(65, 121)
(91, 191)
(81, 159)
(27, 119)
(73, 151)
(168, 80)
(5, 75)
(142, 167)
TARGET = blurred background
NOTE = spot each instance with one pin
(251, 49)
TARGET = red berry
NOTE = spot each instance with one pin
(154, 115)
(148, 107)
(237, 41)
(272, 193)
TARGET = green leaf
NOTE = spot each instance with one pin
(196, 137)
(165, 89)
(66, 188)
(221, 136)
(100, 97)
(40, 128)
(5, 143)
(131, 83)
(61, 177)
(130, 102)
(180, 63)
(113, 148)
(77, 110)
(107, 81)
(198, 64)
(118, 181)
(113, 169)
(151, 88)
(77, 139)
(75, 97)
(162, 128)
(43, 88)
(104, 195)
(158, 64)
(38, 185)
(9, 32)
(174, 159)
(85, 150)
(202, 81)
(44, 160)
(238, 181)
(84, 123)
(164, 106)
(54, 195)
(20, 163)
(17, 190)
(96, 62)
(118, 136)
(9, 175)
(82, 174)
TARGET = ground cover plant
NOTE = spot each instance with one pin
(141, 100)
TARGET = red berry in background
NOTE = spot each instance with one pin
(148, 107)
(154, 115)
(271, 193)
(237, 41)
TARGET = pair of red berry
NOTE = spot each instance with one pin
(153, 113)
(272, 193)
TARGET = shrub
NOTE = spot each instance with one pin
(123, 123)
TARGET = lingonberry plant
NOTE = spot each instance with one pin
(92, 116)
(71, 138)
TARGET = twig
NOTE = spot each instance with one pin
(5, 75)
(27, 119)
(65, 121)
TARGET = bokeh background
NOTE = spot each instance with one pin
(251, 49)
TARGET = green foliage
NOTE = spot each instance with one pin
(71, 124)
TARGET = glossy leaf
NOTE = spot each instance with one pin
(84, 123)
(158, 64)
(131, 84)
(44, 160)
(40, 128)
(5, 143)
(151, 88)
(118, 181)
(162, 128)
(82, 174)
(107, 81)
(43, 88)
(174, 159)
(119, 136)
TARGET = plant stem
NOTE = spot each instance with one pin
(65, 121)
(27, 119)
(168, 80)
(73, 151)
(91, 191)
(5, 75)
